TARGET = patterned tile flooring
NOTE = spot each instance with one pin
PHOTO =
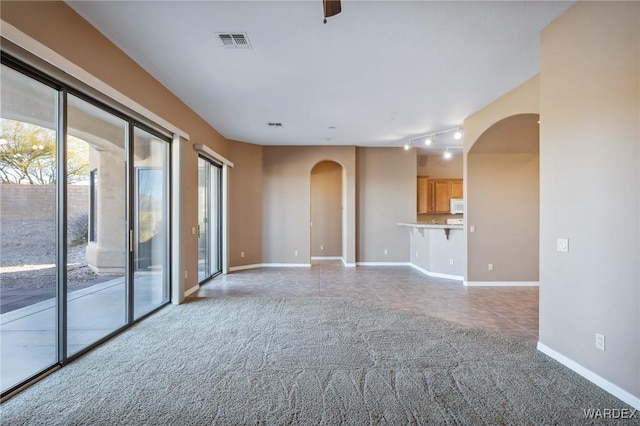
(512, 311)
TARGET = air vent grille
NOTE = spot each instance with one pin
(234, 40)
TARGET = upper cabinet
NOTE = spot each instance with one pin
(423, 194)
(434, 195)
(456, 188)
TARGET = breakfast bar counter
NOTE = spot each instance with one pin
(437, 250)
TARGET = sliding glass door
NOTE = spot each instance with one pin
(84, 223)
(209, 219)
(96, 187)
(28, 262)
(151, 225)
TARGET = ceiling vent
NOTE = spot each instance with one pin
(274, 124)
(235, 40)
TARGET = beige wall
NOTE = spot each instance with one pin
(485, 127)
(245, 204)
(386, 196)
(61, 29)
(437, 167)
(503, 202)
(503, 207)
(287, 201)
(326, 210)
(590, 189)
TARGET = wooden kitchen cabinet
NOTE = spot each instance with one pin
(423, 194)
(456, 188)
(441, 196)
(434, 195)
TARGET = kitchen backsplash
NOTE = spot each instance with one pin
(439, 218)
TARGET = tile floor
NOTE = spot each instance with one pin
(512, 311)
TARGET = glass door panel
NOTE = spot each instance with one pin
(151, 226)
(209, 219)
(96, 224)
(215, 223)
(204, 246)
(28, 243)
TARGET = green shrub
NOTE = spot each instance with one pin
(78, 229)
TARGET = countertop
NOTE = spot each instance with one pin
(430, 225)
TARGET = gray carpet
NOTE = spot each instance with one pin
(306, 361)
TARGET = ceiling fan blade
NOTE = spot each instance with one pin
(331, 8)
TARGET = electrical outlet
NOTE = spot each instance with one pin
(490, 267)
(193, 230)
(600, 341)
(450, 261)
(321, 247)
(386, 252)
(416, 254)
(241, 254)
(562, 245)
(295, 252)
(186, 273)
(472, 228)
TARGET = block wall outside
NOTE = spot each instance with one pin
(38, 202)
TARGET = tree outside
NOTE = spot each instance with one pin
(28, 155)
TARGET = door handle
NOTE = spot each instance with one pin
(131, 240)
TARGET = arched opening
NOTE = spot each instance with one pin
(503, 203)
(326, 211)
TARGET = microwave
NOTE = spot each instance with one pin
(457, 205)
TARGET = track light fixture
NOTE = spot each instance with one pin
(430, 138)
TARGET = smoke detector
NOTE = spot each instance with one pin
(234, 40)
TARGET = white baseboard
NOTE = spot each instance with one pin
(437, 274)
(269, 265)
(286, 265)
(613, 389)
(192, 290)
(382, 263)
(348, 265)
(501, 283)
(243, 267)
(326, 258)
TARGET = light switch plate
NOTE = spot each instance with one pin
(600, 341)
(562, 245)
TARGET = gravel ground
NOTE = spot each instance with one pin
(27, 264)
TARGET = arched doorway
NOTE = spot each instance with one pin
(503, 203)
(326, 211)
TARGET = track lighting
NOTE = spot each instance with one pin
(447, 155)
(430, 138)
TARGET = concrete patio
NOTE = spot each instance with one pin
(28, 334)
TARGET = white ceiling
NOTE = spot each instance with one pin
(381, 72)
